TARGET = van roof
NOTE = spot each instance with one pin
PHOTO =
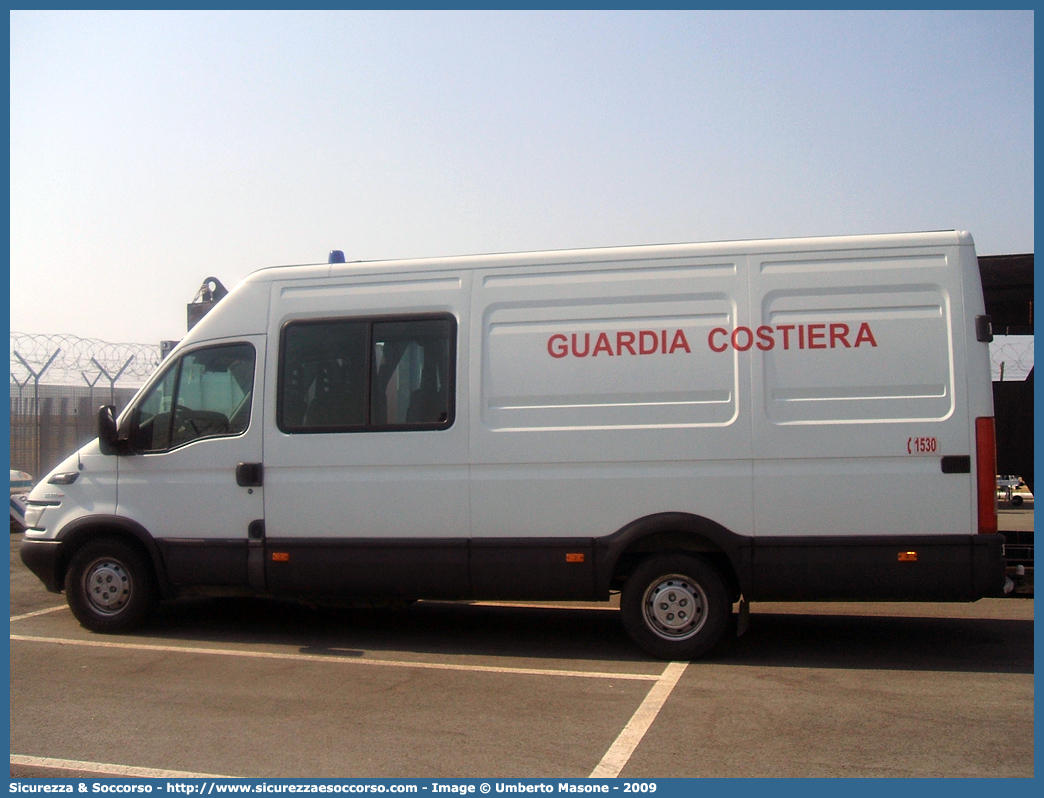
(620, 253)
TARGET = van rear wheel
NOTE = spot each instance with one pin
(109, 586)
(675, 606)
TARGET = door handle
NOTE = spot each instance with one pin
(249, 475)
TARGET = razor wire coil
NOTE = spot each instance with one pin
(78, 359)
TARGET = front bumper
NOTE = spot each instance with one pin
(41, 557)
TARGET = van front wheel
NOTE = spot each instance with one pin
(675, 606)
(109, 586)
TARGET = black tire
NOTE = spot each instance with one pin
(675, 606)
(110, 586)
(1016, 501)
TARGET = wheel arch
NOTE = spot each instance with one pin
(675, 532)
(82, 530)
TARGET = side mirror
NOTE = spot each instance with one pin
(108, 435)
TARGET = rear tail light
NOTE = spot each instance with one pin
(986, 470)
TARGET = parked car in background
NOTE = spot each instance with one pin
(1013, 490)
(21, 482)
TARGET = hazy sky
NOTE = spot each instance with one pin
(151, 150)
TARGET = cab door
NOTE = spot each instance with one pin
(194, 477)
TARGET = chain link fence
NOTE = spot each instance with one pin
(48, 428)
(57, 384)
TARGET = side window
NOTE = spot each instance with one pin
(206, 393)
(353, 375)
(411, 363)
(323, 376)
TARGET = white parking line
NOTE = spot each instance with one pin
(333, 658)
(612, 763)
(619, 752)
(104, 769)
(38, 612)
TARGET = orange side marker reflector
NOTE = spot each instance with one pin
(908, 556)
(986, 471)
(280, 556)
(575, 557)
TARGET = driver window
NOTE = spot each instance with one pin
(152, 427)
(207, 393)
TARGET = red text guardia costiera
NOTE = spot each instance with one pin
(837, 335)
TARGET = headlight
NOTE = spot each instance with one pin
(33, 514)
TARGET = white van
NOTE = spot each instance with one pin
(693, 425)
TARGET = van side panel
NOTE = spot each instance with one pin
(801, 395)
(595, 399)
(855, 406)
(864, 346)
(858, 400)
(623, 353)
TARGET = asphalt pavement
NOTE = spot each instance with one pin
(265, 688)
